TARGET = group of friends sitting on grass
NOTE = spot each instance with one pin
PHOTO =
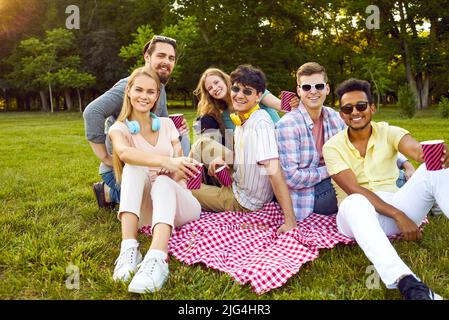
(312, 160)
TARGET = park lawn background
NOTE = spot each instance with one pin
(49, 220)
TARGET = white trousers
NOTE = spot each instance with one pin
(163, 201)
(358, 219)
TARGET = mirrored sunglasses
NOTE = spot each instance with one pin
(308, 87)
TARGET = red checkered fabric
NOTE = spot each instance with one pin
(246, 246)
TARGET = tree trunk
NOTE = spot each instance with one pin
(425, 90)
(194, 101)
(57, 102)
(6, 98)
(79, 100)
(51, 97)
(332, 94)
(422, 85)
(378, 101)
(410, 78)
(44, 101)
(408, 68)
(377, 89)
(35, 103)
(28, 102)
(87, 95)
(68, 99)
(19, 100)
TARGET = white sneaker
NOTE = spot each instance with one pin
(126, 264)
(151, 276)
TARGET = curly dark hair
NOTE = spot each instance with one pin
(354, 85)
(248, 75)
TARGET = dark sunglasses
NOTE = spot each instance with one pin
(348, 108)
(246, 91)
(308, 87)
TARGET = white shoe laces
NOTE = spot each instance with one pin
(126, 257)
(147, 266)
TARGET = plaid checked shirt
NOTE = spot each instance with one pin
(298, 155)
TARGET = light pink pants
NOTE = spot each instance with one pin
(163, 201)
(357, 218)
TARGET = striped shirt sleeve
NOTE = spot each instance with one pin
(266, 142)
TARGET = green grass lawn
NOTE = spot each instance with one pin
(49, 220)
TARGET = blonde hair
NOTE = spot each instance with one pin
(127, 109)
(310, 68)
(209, 105)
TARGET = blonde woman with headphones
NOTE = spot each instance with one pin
(147, 162)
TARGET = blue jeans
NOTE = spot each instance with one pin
(185, 145)
(114, 192)
(325, 198)
(401, 180)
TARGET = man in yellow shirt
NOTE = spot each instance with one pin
(361, 160)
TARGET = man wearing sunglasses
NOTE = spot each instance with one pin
(361, 161)
(301, 135)
(256, 171)
(160, 55)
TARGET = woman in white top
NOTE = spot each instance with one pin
(147, 162)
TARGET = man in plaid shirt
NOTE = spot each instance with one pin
(300, 136)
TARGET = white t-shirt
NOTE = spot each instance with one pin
(254, 142)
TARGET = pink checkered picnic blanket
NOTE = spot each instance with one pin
(246, 246)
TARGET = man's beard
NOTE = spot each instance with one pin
(163, 78)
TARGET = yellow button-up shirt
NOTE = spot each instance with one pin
(377, 171)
